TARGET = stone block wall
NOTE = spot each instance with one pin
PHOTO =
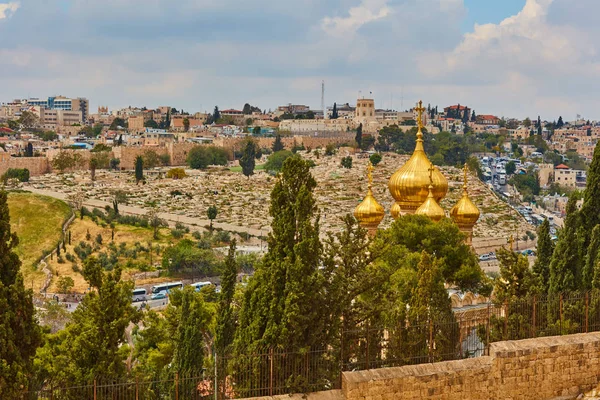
(35, 165)
(542, 368)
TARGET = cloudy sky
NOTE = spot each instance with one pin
(506, 57)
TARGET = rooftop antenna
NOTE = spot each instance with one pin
(323, 98)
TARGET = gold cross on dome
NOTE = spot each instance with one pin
(370, 173)
(465, 170)
(431, 169)
(420, 109)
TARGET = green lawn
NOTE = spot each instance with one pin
(239, 169)
(37, 220)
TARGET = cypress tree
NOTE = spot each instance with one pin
(590, 210)
(194, 319)
(278, 144)
(358, 137)
(545, 248)
(20, 334)
(430, 313)
(282, 304)
(248, 160)
(591, 259)
(216, 115)
(565, 262)
(334, 112)
(225, 318)
(139, 169)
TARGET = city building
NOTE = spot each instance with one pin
(63, 103)
(136, 122)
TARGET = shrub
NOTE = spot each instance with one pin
(176, 173)
(182, 227)
(99, 239)
(21, 174)
(375, 158)
(275, 160)
(347, 162)
(330, 150)
(177, 234)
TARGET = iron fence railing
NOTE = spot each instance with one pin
(269, 371)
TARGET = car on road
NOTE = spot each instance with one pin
(159, 296)
(484, 257)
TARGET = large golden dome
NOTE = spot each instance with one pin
(409, 185)
(464, 213)
(369, 212)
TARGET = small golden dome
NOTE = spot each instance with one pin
(409, 185)
(464, 213)
(430, 207)
(369, 212)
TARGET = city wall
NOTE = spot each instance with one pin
(35, 165)
(542, 368)
(177, 152)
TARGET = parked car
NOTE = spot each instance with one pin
(159, 296)
(484, 257)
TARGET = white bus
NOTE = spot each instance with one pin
(163, 287)
(200, 285)
(139, 294)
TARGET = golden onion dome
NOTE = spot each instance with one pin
(409, 185)
(369, 212)
(430, 207)
(464, 213)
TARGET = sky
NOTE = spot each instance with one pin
(512, 58)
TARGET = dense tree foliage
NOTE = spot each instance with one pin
(20, 334)
(200, 157)
(275, 161)
(94, 343)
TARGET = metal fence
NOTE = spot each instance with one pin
(272, 371)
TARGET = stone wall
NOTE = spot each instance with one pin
(543, 368)
(35, 165)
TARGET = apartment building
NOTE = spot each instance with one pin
(61, 103)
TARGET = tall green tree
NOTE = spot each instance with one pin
(226, 322)
(277, 144)
(430, 313)
(545, 248)
(358, 137)
(590, 215)
(560, 123)
(354, 284)
(139, 169)
(20, 334)
(334, 112)
(186, 124)
(566, 263)
(278, 309)
(591, 259)
(94, 344)
(194, 325)
(216, 114)
(248, 160)
(413, 234)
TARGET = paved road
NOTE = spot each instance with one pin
(153, 304)
(172, 219)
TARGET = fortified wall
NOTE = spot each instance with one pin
(35, 165)
(177, 152)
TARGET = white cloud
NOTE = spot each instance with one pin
(6, 9)
(367, 11)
